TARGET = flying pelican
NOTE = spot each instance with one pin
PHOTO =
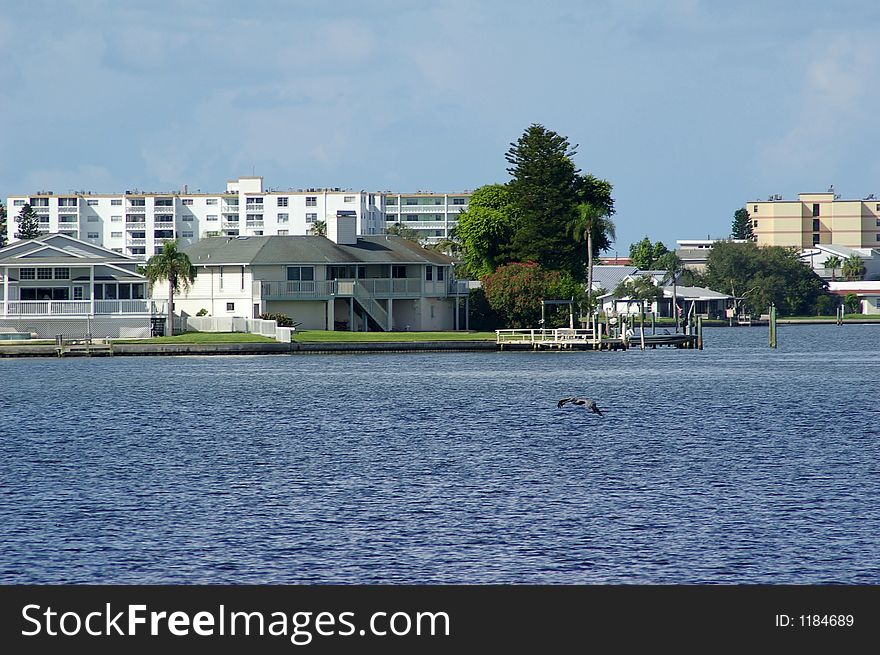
(583, 402)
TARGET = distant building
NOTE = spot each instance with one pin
(693, 253)
(816, 219)
(431, 215)
(136, 223)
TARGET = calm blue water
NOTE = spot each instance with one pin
(737, 464)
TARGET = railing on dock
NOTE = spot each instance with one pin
(548, 337)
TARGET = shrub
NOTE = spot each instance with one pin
(202, 312)
(283, 320)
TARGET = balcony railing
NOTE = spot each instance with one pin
(135, 242)
(295, 289)
(378, 287)
(135, 225)
(164, 225)
(75, 307)
(254, 224)
(136, 209)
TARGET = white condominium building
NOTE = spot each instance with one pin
(431, 215)
(137, 223)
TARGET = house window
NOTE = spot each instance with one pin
(877, 208)
(458, 201)
(213, 217)
(348, 199)
(815, 225)
(390, 201)
(140, 250)
(301, 273)
(438, 201)
(429, 273)
(138, 202)
(230, 307)
(283, 218)
(439, 273)
(116, 235)
(163, 234)
(44, 273)
(815, 209)
(28, 273)
(77, 293)
(18, 203)
(258, 233)
(116, 202)
(755, 224)
(815, 239)
(116, 219)
(211, 201)
(187, 201)
(311, 218)
(411, 217)
(283, 233)
(187, 234)
(311, 201)
(92, 202)
(254, 201)
(187, 218)
(255, 217)
(62, 273)
(282, 202)
(398, 271)
(412, 201)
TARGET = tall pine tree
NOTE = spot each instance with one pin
(544, 193)
(28, 224)
(3, 238)
(742, 225)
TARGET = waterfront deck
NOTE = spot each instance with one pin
(585, 339)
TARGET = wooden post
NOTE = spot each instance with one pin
(699, 332)
(642, 329)
(772, 326)
(653, 324)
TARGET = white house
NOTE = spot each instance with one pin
(341, 281)
(868, 293)
(56, 284)
(816, 257)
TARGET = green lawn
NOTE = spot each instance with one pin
(307, 336)
(205, 337)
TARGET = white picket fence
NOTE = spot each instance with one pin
(239, 324)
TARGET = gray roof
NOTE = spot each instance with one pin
(383, 249)
(60, 250)
(608, 277)
(695, 293)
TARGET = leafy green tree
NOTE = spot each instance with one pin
(742, 225)
(403, 232)
(544, 192)
(760, 276)
(591, 225)
(173, 266)
(28, 223)
(644, 254)
(515, 292)
(486, 229)
(3, 237)
(832, 262)
(853, 268)
(319, 228)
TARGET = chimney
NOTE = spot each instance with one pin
(342, 228)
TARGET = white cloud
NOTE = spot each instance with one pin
(834, 111)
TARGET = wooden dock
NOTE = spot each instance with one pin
(574, 339)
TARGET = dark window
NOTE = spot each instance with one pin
(398, 271)
(301, 273)
(99, 292)
(439, 273)
(458, 201)
(163, 234)
(137, 291)
(125, 292)
(815, 209)
(815, 239)
(230, 307)
(755, 208)
(429, 273)
(815, 225)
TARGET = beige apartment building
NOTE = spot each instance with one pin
(816, 218)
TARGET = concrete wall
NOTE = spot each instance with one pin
(312, 314)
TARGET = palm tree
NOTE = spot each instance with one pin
(171, 265)
(319, 228)
(591, 222)
(853, 268)
(674, 268)
(832, 262)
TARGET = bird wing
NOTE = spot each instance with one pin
(563, 401)
(596, 409)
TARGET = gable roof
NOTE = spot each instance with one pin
(59, 249)
(608, 277)
(267, 250)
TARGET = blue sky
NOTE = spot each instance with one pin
(688, 108)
